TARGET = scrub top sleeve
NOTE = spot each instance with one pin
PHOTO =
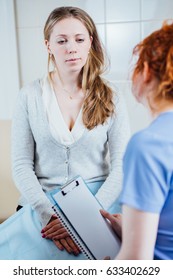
(144, 182)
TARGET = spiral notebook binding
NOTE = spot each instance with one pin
(73, 234)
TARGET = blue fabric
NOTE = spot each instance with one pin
(148, 178)
(115, 207)
(20, 236)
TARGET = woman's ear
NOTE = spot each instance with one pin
(91, 39)
(47, 46)
(146, 72)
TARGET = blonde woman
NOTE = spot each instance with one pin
(64, 125)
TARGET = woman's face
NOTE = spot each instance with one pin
(137, 86)
(69, 44)
(141, 85)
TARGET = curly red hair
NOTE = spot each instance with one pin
(157, 51)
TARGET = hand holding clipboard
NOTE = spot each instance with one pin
(79, 212)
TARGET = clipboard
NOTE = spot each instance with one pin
(79, 212)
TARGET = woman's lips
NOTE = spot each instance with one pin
(72, 59)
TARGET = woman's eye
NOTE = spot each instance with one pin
(80, 40)
(61, 42)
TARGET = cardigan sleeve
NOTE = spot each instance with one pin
(23, 146)
(118, 136)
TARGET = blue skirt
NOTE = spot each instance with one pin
(20, 236)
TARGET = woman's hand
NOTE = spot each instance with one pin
(116, 221)
(55, 230)
(67, 244)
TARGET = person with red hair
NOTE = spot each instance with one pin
(146, 224)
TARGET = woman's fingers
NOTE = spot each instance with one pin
(54, 230)
(70, 246)
(107, 215)
(67, 244)
(115, 220)
(61, 238)
(73, 246)
(58, 244)
(58, 234)
(53, 222)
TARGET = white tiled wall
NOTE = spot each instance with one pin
(121, 38)
(121, 24)
(122, 10)
(9, 77)
(156, 9)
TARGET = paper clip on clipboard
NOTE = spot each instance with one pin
(69, 186)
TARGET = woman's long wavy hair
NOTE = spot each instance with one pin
(157, 51)
(98, 104)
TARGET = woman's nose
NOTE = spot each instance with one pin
(71, 47)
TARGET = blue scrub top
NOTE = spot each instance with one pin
(148, 178)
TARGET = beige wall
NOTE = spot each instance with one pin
(8, 192)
